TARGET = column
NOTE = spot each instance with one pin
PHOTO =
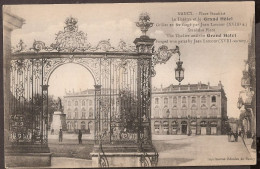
(10, 23)
(97, 112)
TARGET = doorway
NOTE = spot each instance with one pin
(184, 127)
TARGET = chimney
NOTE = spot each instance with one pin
(208, 85)
(188, 86)
(199, 85)
(220, 84)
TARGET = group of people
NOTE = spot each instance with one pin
(232, 136)
(79, 136)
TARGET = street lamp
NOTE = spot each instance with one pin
(179, 71)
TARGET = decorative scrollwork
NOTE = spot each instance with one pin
(164, 54)
(149, 160)
(72, 40)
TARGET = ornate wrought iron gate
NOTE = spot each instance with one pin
(122, 78)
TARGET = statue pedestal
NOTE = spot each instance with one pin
(58, 122)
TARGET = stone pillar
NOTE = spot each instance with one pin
(97, 110)
(17, 155)
(10, 23)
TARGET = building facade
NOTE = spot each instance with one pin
(79, 110)
(189, 109)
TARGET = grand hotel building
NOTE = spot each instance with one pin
(177, 109)
(189, 109)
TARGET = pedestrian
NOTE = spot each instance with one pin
(229, 135)
(80, 137)
(60, 135)
(52, 131)
(239, 133)
(236, 136)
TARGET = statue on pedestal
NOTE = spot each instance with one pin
(59, 118)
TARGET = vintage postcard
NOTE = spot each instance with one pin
(129, 85)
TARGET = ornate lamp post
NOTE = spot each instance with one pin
(179, 71)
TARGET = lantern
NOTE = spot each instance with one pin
(179, 71)
(245, 81)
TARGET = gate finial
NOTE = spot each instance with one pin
(144, 23)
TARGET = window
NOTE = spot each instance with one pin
(90, 102)
(213, 99)
(193, 100)
(83, 102)
(174, 100)
(83, 114)
(75, 125)
(69, 114)
(183, 113)
(83, 125)
(213, 111)
(165, 100)
(156, 100)
(184, 100)
(193, 113)
(69, 103)
(174, 112)
(76, 114)
(76, 103)
(90, 113)
(156, 111)
(203, 99)
(204, 113)
(166, 112)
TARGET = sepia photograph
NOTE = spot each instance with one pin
(129, 84)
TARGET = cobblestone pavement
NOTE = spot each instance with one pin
(201, 150)
(182, 150)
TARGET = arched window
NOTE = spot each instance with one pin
(83, 102)
(76, 103)
(90, 102)
(83, 125)
(165, 100)
(213, 99)
(69, 103)
(157, 126)
(90, 113)
(156, 100)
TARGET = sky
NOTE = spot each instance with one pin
(202, 62)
